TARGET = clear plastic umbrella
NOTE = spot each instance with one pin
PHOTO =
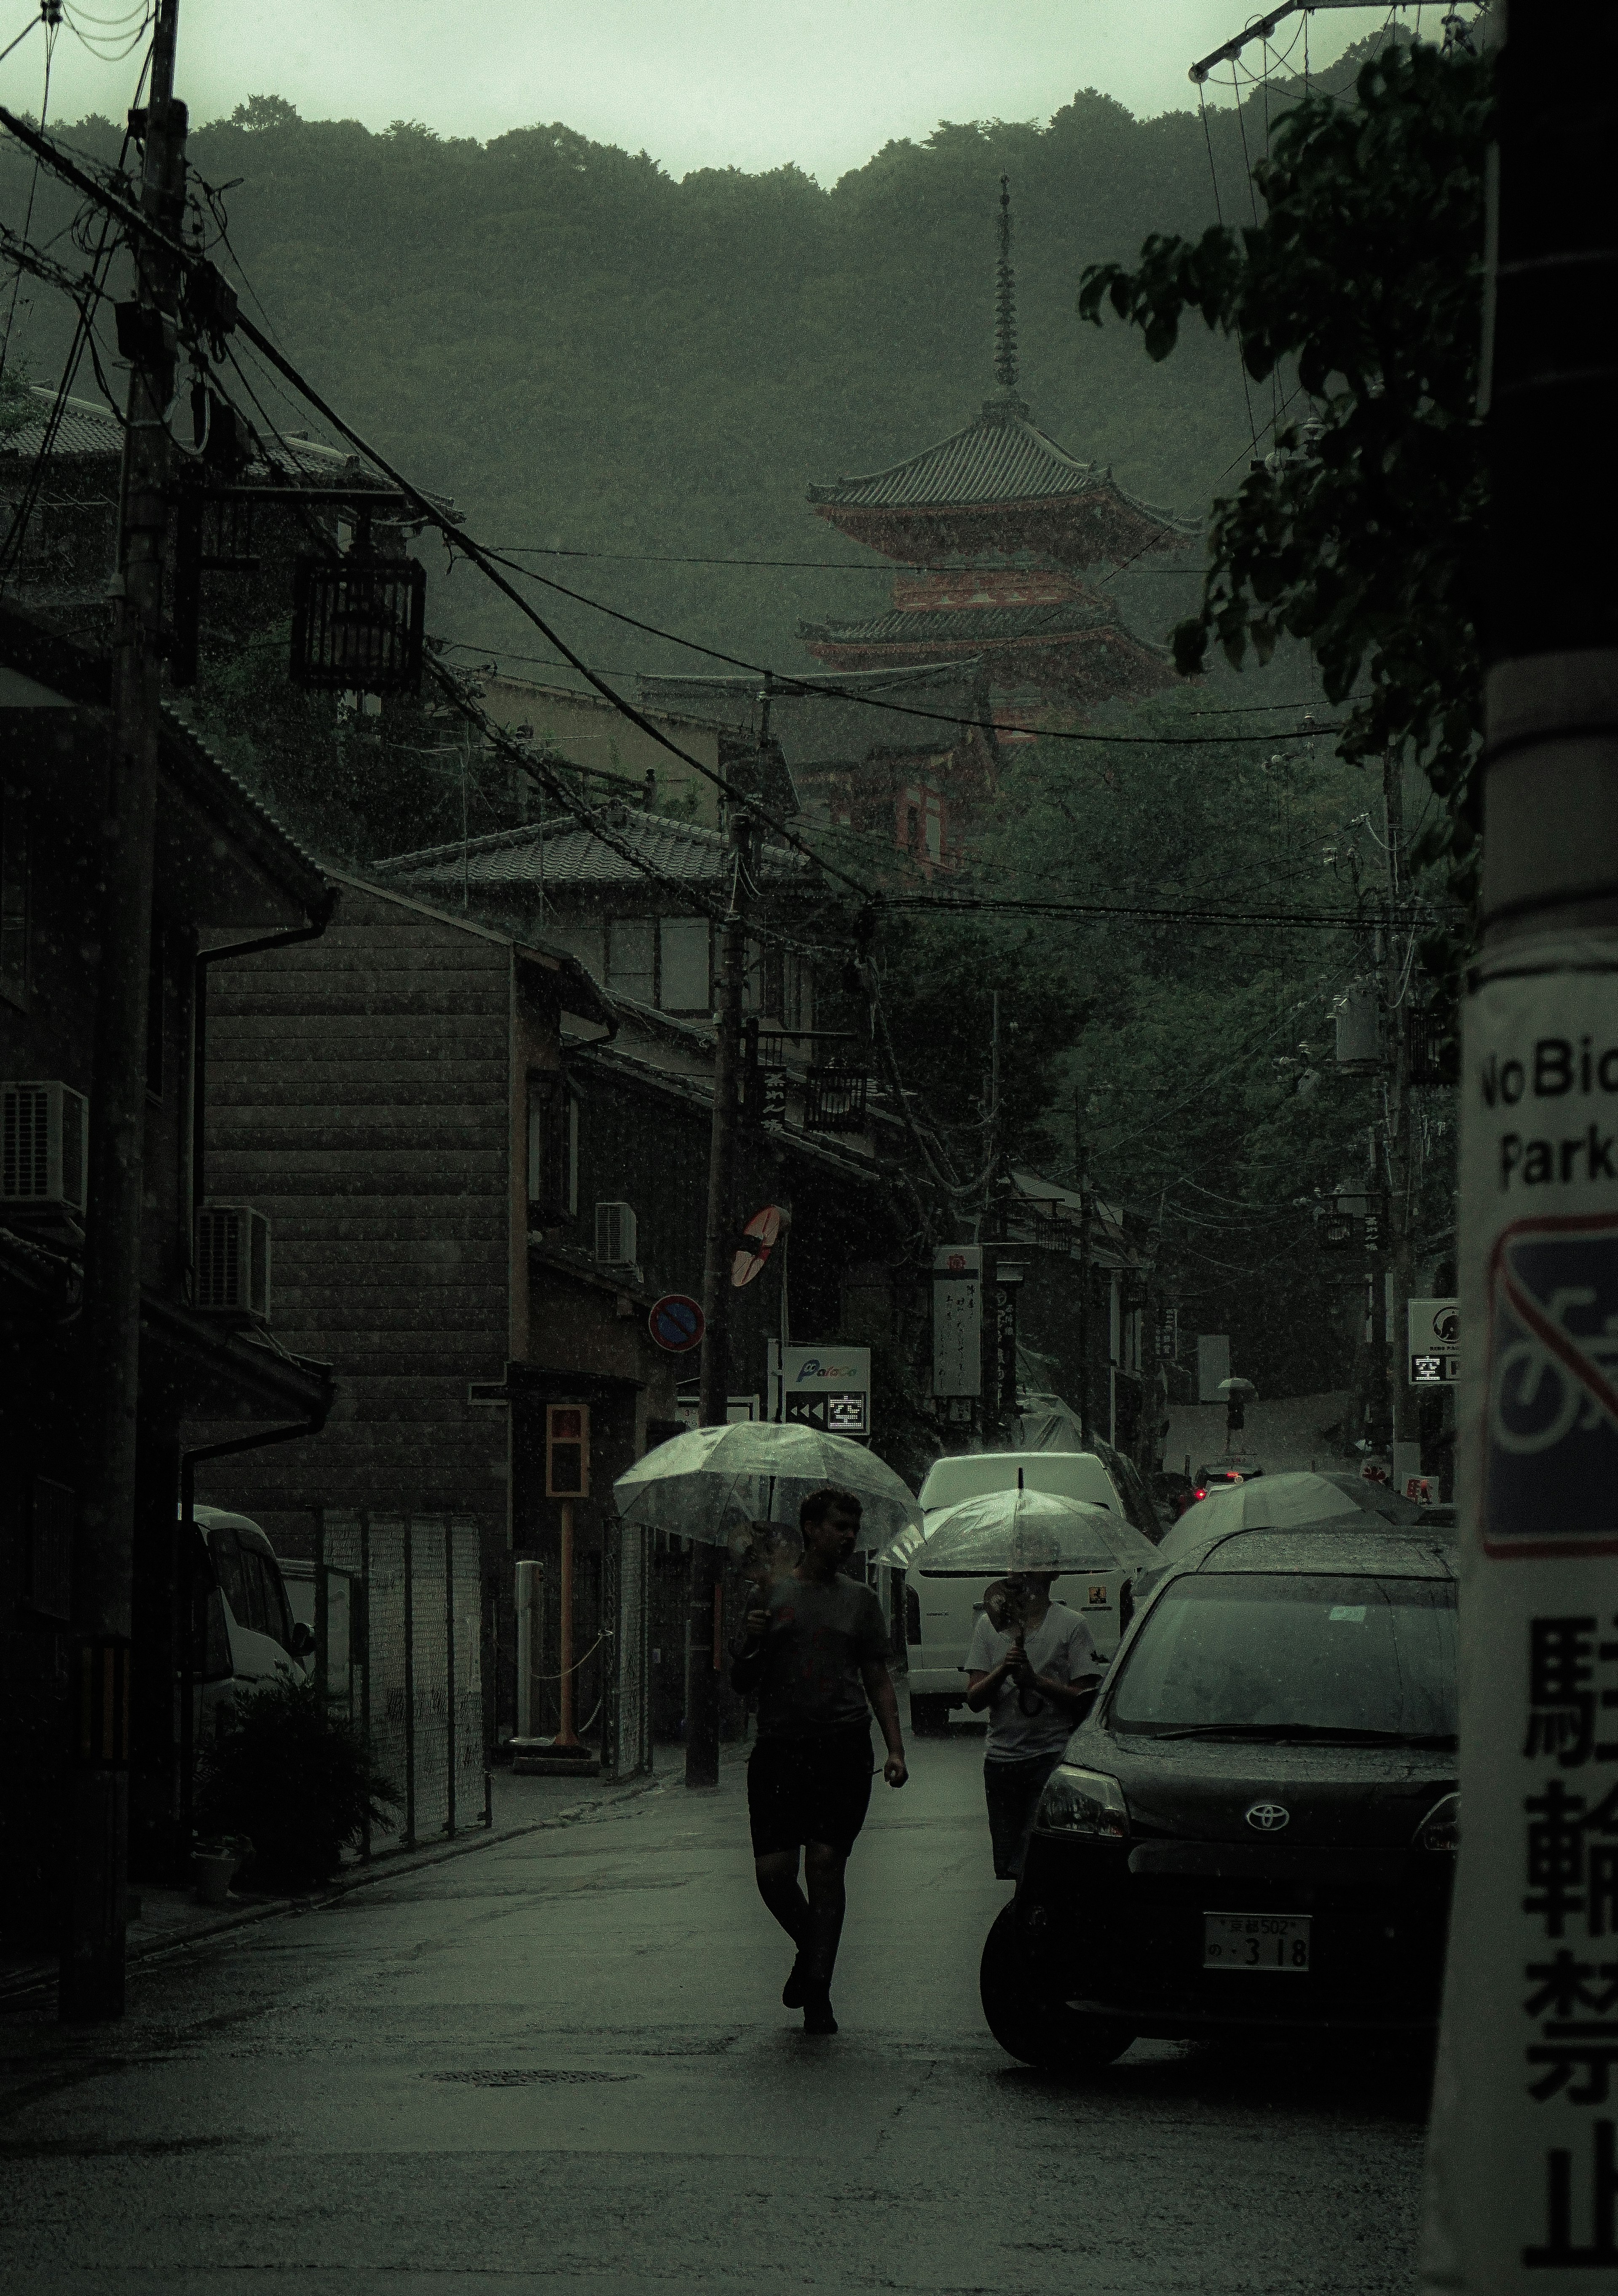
(1280, 1502)
(718, 1481)
(1025, 1530)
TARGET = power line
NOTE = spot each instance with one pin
(966, 905)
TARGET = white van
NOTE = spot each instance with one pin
(941, 1607)
(248, 1634)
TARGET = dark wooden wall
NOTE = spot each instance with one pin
(360, 1095)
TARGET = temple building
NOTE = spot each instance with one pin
(994, 529)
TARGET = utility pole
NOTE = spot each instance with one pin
(1404, 1456)
(1084, 1280)
(707, 1561)
(1522, 2164)
(98, 1821)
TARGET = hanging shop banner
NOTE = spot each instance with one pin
(957, 1320)
(1522, 2171)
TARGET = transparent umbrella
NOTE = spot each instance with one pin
(1280, 1502)
(1025, 1530)
(716, 1481)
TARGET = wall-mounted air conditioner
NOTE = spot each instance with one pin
(615, 1235)
(231, 1272)
(45, 1147)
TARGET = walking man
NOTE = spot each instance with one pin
(1034, 1667)
(815, 1656)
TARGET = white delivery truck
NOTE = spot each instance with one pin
(941, 1607)
(248, 1634)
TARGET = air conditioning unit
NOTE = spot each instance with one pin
(45, 1147)
(615, 1236)
(232, 1271)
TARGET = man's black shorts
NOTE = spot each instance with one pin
(803, 1790)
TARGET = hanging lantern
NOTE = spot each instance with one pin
(356, 624)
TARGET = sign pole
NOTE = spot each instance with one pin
(1522, 2164)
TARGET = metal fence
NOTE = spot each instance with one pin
(398, 1635)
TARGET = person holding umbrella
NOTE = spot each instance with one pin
(815, 1653)
(1032, 1664)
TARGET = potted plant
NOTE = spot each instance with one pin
(300, 1781)
(213, 1866)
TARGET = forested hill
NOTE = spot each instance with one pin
(586, 353)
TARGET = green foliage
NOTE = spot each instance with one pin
(1363, 535)
(299, 1781)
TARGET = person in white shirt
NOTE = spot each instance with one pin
(1033, 1666)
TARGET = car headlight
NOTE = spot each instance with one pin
(1084, 1802)
(1440, 1829)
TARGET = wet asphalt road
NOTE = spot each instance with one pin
(560, 2062)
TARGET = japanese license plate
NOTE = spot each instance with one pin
(1269, 1941)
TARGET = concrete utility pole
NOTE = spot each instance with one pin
(1404, 1455)
(98, 1819)
(1522, 2172)
(705, 1656)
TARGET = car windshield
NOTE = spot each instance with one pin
(1300, 1655)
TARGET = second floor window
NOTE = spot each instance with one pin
(661, 961)
(553, 1148)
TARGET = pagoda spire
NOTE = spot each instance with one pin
(1006, 300)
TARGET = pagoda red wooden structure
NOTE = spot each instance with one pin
(994, 528)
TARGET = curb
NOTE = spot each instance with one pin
(381, 1869)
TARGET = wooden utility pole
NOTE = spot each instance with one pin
(98, 1823)
(1084, 1276)
(705, 1651)
(1522, 2163)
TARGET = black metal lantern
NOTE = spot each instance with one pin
(356, 624)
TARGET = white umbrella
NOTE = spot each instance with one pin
(1287, 1501)
(718, 1479)
(1025, 1530)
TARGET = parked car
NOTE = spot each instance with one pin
(942, 1608)
(1255, 1825)
(248, 1632)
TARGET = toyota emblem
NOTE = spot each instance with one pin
(1267, 1816)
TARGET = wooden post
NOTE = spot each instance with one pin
(567, 1737)
(98, 1828)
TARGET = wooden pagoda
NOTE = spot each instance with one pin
(994, 529)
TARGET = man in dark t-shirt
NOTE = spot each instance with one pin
(815, 1657)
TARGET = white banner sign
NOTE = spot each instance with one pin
(1523, 2184)
(957, 1320)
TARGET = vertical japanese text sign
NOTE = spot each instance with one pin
(1523, 2179)
(957, 1320)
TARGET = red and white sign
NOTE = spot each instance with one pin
(764, 1229)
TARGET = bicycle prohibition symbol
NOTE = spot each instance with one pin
(1550, 1433)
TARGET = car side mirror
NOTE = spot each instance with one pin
(302, 1645)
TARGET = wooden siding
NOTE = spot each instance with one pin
(360, 1095)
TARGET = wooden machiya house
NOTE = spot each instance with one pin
(224, 872)
(635, 1110)
(394, 1102)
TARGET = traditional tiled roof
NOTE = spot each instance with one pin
(1002, 457)
(834, 722)
(90, 427)
(564, 854)
(977, 626)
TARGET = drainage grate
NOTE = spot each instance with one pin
(526, 2079)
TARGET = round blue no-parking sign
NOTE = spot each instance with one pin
(676, 1323)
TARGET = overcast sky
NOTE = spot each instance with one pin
(748, 84)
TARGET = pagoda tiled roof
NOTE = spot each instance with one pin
(1002, 457)
(832, 719)
(976, 625)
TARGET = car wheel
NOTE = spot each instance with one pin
(1029, 2020)
(929, 1716)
